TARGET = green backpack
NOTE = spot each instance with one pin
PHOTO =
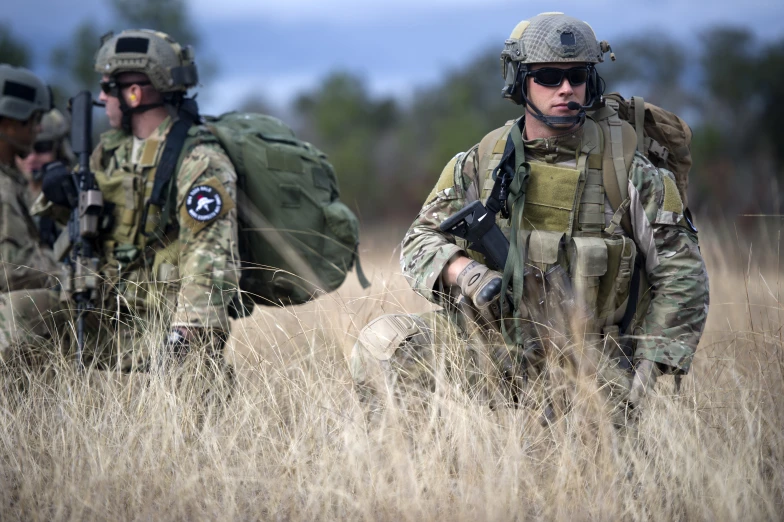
(296, 238)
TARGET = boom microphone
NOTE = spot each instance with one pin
(574, 106)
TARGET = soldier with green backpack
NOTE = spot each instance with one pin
(201, 218)
(564, 231)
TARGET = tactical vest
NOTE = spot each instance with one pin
(563, 221)
(141, 265)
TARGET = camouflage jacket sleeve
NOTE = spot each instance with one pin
(671, 329)
(425, 249)
(209, 256)
(24, 263)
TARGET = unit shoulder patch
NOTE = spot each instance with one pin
(204, 202)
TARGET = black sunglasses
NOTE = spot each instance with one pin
(553, 77)
(112, 87)
(42, 147)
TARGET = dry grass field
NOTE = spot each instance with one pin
(293, 442)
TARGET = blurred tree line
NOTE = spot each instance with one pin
(388, 153)
(727, 89)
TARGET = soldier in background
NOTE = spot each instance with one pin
(24, 99)
(51, 145)
(170, 266)
(26, 272)
(572, 255)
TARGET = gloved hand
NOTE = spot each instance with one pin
(58, 185)
(483, 287)
(644, 380)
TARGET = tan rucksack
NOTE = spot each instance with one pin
(663, 137)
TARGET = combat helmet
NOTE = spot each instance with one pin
(54, 132)
(168, 65)
(22, 93)
(552, 38)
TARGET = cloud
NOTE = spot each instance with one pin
(336, 11)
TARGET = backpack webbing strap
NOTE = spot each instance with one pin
(175, 140)
(504, 174)
(631, 310)
(614, 172)
(363, 280)
(639, 122)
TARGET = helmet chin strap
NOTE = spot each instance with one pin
(555, 122)
(128, 112)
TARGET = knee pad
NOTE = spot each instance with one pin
(383, 336)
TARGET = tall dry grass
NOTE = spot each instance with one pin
(293, 443)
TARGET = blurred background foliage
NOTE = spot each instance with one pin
(389, 152)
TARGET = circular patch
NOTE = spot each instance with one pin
(203, 203)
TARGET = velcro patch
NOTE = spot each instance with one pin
(204, 203)
(672, 197)
(446, 180)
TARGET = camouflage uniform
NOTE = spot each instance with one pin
(155, 276)
(198, 263)
(25, 265)
(672, 311)
(26, 276)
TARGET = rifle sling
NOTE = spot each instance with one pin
(498, 196)
(634, 294)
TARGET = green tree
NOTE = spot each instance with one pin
(169, 16)
(342, 119)
(74, 64)
(12, 51)
(653, 66)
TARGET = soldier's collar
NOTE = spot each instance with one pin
(162, 130)
(567, 143)
(113, 138)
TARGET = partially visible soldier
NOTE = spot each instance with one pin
(50, 145)
(25, 274)
(571, 253)
(171, 262)
(24, 99)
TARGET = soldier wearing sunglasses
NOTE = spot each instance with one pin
(50, 145)
(25, 268)
(158, 264)
(24, 99)
(626, 284)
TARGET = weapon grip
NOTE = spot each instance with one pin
(476, 224)
(462, 221)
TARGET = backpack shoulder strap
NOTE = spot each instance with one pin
(620, 144)
(489, 153)
(170, 159)
(638, 106)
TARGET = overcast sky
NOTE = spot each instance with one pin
(275, 49)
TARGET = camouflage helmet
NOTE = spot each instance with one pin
(56, 128)
(22, 93)
(168, 65)
(551, 38)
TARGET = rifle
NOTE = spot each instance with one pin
(477, 225)
(82, 263)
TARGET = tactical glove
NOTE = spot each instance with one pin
(643, 382)
(59, 186)
(483, 287)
